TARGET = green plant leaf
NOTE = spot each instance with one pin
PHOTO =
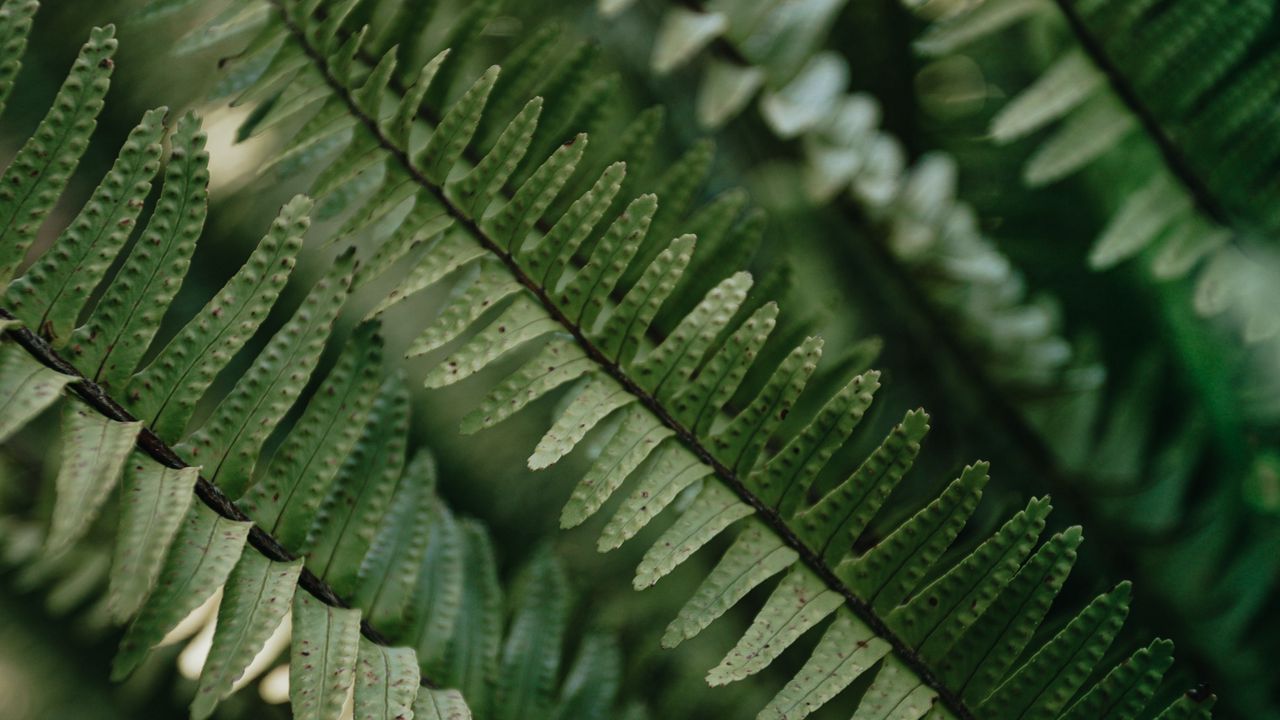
(471, 661)
(37, 176)
(254, 603)
(203, 554)
(27, 387)
(322, 663)
(229, 442)
(94, 450)
(122, 324)
(15, 28)
(389, 572)
(51, 294)
(153, 502)
(287, 498)
(179, 375)
(386, 682)
(530, 661)
(345, 527)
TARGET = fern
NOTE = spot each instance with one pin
(1188, 80)
(1102, 450)
(392, 598)
(850, 162)
(595, 290)
(1131, 90)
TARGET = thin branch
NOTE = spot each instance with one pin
(212, 496)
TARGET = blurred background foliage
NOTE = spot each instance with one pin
(1154, 428)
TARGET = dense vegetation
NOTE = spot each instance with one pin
(683, 275)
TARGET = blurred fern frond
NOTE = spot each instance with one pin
(849, 161)
(1191, 84)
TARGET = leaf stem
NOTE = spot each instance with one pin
(766, 513)
(212, 496)
(1174, 160)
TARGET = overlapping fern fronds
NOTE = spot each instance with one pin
(1167, 495)
(391, 598)
(582, 277)
(1192, 84)
(776, 50)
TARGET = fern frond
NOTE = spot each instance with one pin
(1185, 79)
(849, 161)
(341, 535)
(598, 277)
(39, 173)
(910, 203)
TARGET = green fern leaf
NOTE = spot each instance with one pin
(489, 285)
(592, 682)
(965, 28)
(15, 28)
(154, 501)
(932, 618)
(1125, 691)
(204, 552)
(432, 704)
(984, 654)
(323, 658)
(450, 252)
(554, 251)
(94, 452)
(156, 9)
(438, 587)
(1061, 89)
(236, 20)
(830, 669)
(1049, 679)
(171, 557)
(799, 602)
(389, 571)
(1142, 219)
(177, 377)
(386, 682)
(110, 344)
(557, 363)
(51, 294)
(344, 529)
(682, 35)
(254, 603)
(453, 134)
(510, 226)
(1174, 77)
(39, 173)
(1187, 708)
(26, 388)
(714, 509)
(520, 322)
(1096, 128)
(531, 654)
(471, 661)
(229, 443)
(285, 501)
(674, 471)
(598, 397)
(756, 555)
(887, 573)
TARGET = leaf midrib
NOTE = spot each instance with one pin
(767, 514)
(150, 444)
